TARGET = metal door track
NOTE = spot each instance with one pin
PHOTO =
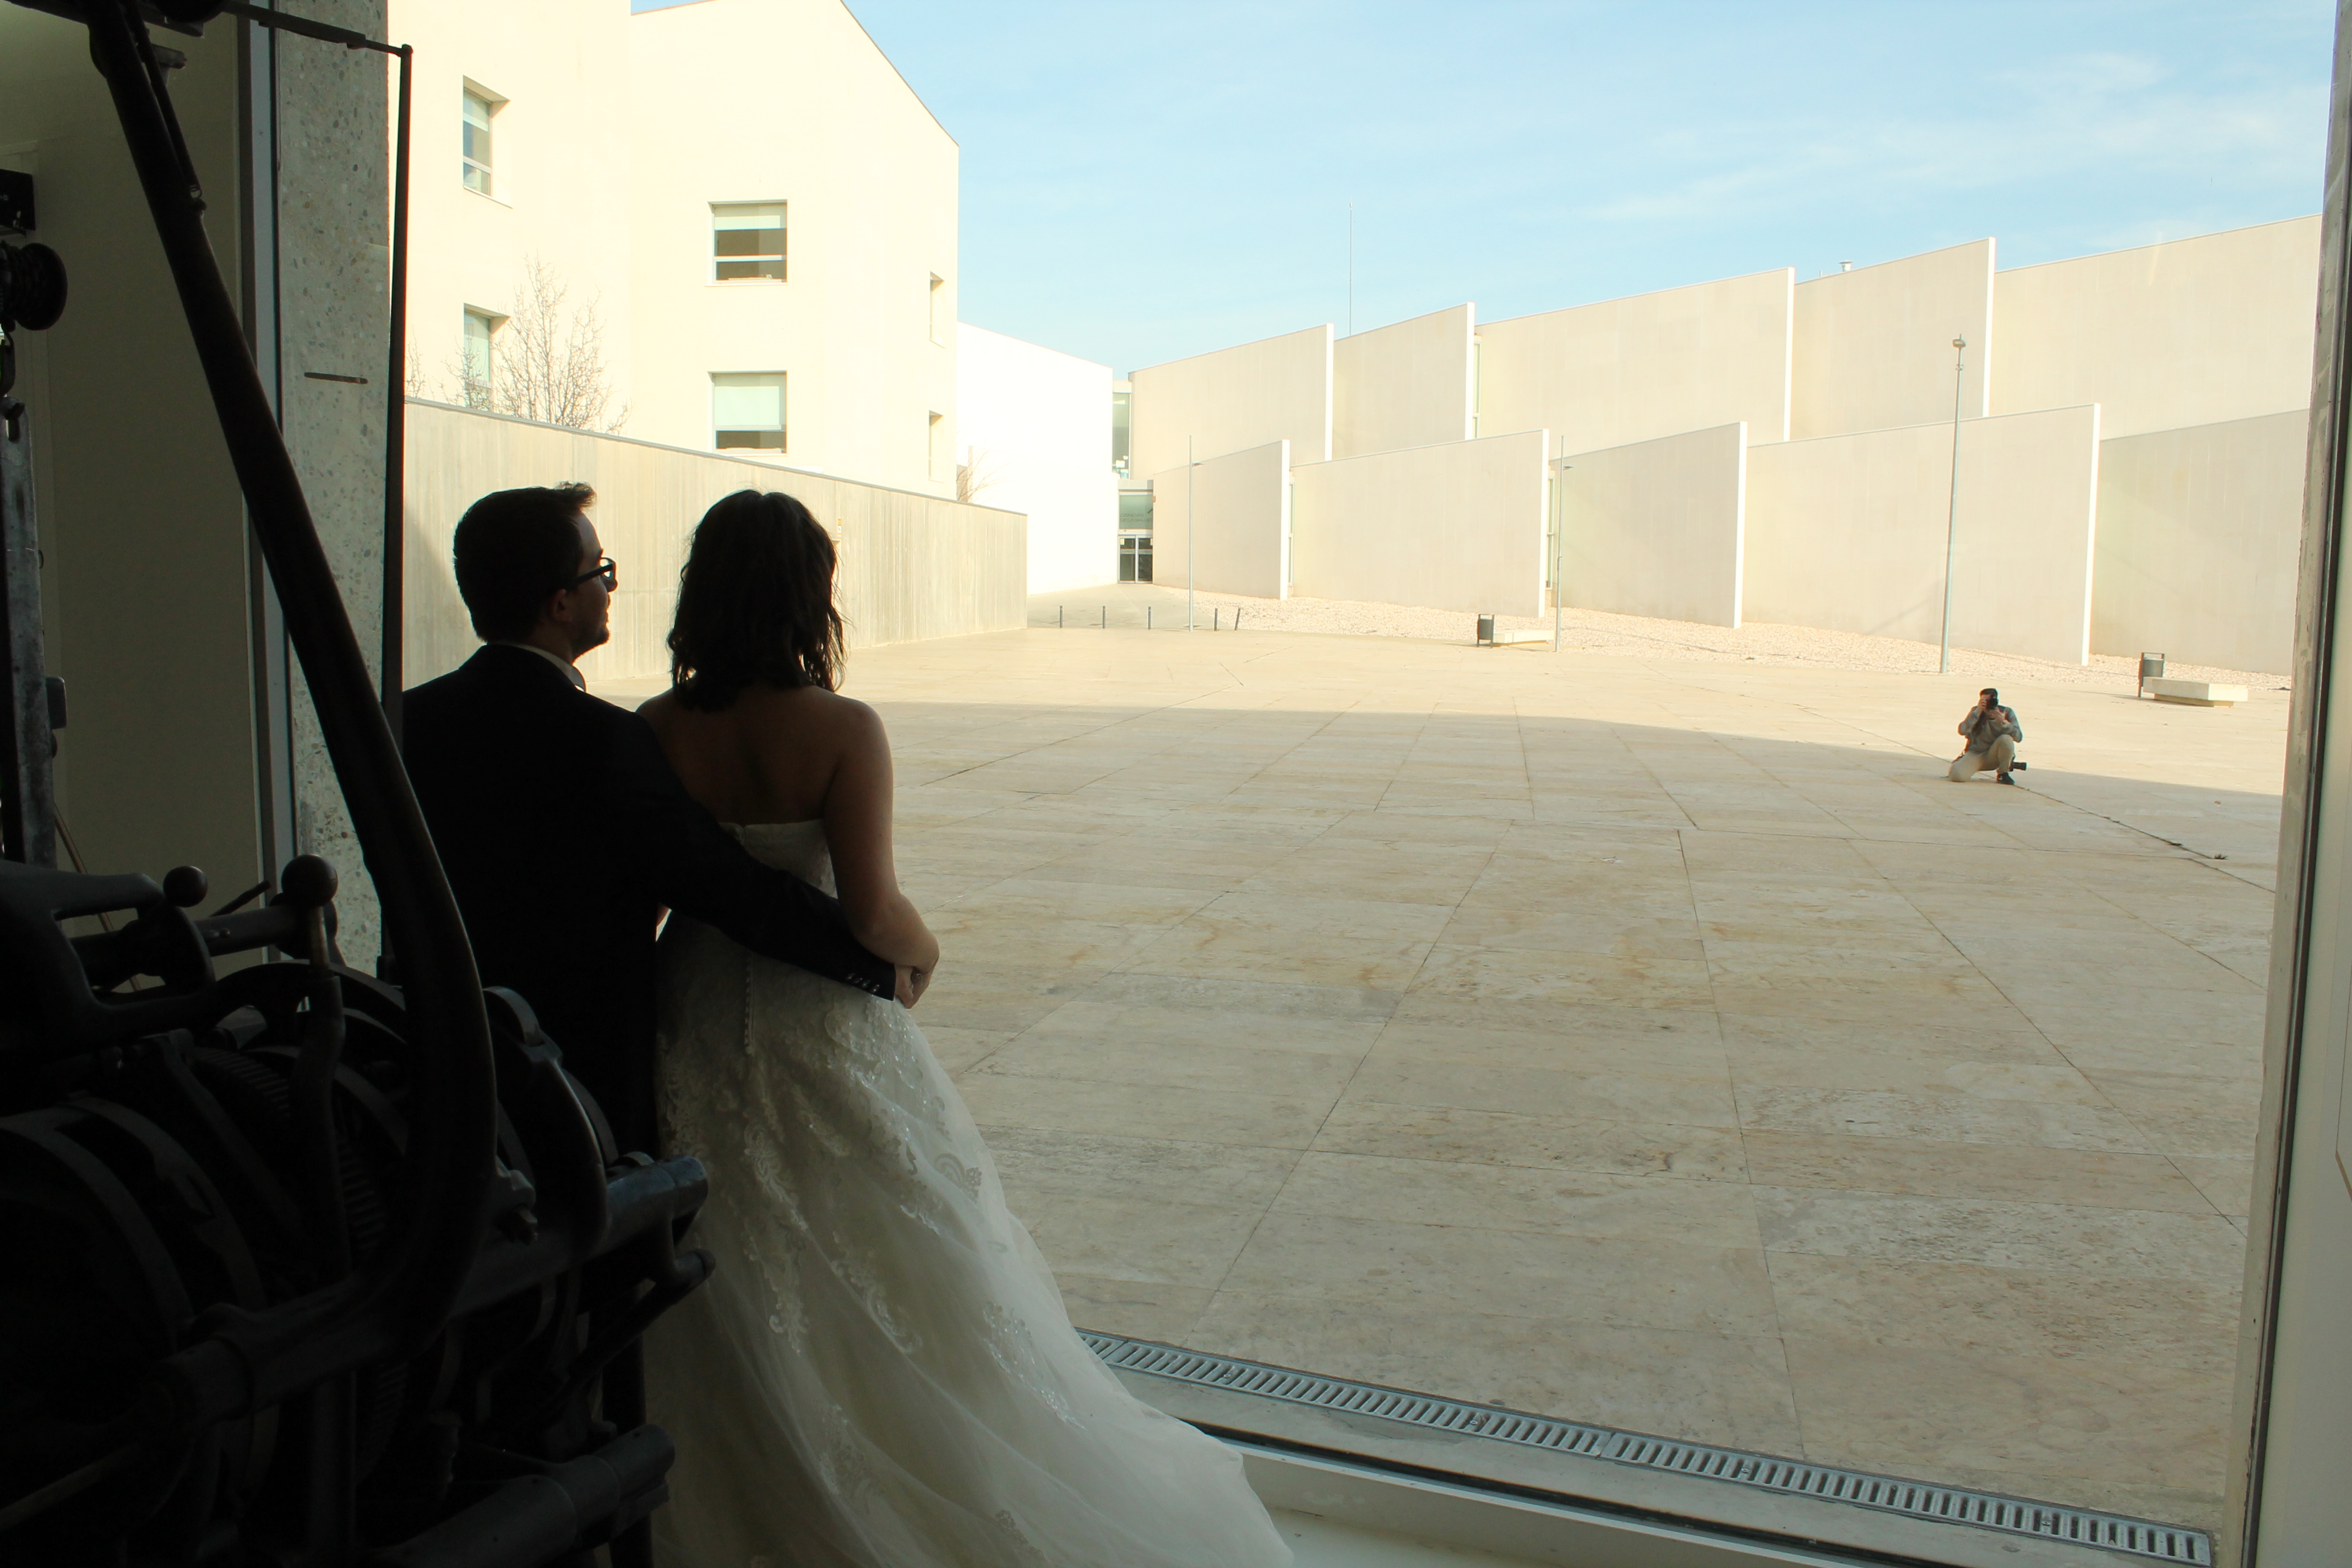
(1888, 1494)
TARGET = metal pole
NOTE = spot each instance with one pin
(1351, 269)
(392, 659)
(1559, 548)
(1952, 517)
(1191, 474)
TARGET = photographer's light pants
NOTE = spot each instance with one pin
(1994, 759)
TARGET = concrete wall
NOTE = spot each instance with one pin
(1658, 528)
(1655, 364)
(1874, 346)
(2199, 531)
(747, 100)
(145, 576)
(1225, 523)
(1457, 527)
(1848, 532)
(1035, 438)
(912, 566)
(1408, 384)
(2191, 332)
(1276, 389)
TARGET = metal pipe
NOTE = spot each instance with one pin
(414, 1284)
(393, 670)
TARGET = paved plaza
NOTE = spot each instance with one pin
(1668, 1045)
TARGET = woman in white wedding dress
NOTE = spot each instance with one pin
(880, 1373)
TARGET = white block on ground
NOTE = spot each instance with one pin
(2203, 693)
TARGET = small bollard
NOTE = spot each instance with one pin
(1147, 617)
(1058, 617)
(1106, 620)
(1216, 620)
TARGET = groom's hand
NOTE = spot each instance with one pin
(912, 983)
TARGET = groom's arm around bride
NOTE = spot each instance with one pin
(561, 827)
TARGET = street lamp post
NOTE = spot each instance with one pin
(1952, 515)
(1191, 475)
(1558, 547)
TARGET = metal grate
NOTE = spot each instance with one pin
(1913, 1499)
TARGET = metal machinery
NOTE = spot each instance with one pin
(297, 1267)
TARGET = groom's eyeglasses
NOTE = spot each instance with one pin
(606, 568)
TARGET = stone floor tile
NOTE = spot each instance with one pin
(1151, 1240)
(1320, 942)
(1137, 1308)
(1650, 1150)
(1093, 1165)
(1535, 974)
(996, 996)
(1142, 1110)
(1612, 1094)
(2005, 1172)
(1948, 1119)
(2095, 1243)
(1314, 1077)
(1423, 1269)
(2226, 1182)
(2061, 1314)
(1506, 1198)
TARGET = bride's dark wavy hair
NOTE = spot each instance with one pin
(754, 603)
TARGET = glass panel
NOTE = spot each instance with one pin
(753, 407)
(748, 240)
(477, 352)
(771, 440)
(477, 144)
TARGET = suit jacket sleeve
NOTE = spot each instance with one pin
(673, 847)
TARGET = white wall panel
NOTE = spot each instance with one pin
(1636, 369)
(1224, 524)
(1656, 528)
(2199, 531)
(1874, 346)
(1276, 389)
(1035, 433)
(2191, 332)
(1457, 527)
(1408, 385)
(1847, 532)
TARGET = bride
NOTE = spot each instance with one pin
(880, 1373)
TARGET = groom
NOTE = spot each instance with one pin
(563, 829)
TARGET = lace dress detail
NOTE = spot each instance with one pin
(880, 1374)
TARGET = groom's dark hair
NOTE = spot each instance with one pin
(512, 549)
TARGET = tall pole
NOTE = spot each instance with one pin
(1192, 472)
(1558, 547)
(1351, 269)
(1952, 517)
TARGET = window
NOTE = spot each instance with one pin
(479, 107)
(1120, 399)
(747, 240)
(748, 411)
(937, 283)
(939, 433)
(1134, 535)
(478, 364)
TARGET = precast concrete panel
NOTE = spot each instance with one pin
(1408, 385)
(1847, 532)
(1456, 527)
(2188, 332)
(1035, 438)
(1276, 389)
(912, 566)
(1656, 528)
(1874, 346)
(1224, 525)
(2199, 531)
(1630, 369)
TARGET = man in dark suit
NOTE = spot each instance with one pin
(565, 832)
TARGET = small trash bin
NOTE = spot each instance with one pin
(2151, 667)
(1485, 630)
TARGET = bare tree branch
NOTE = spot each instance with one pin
(550, 364)
(980, 472)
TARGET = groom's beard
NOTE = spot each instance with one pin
(602, 636)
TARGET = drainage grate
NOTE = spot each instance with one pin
(1913, 1499)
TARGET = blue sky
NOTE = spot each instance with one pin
(1143, 181)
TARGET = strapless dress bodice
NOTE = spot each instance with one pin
(796, 846)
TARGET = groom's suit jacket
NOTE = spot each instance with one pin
(563, 831)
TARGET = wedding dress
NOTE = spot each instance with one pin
(880, 1373)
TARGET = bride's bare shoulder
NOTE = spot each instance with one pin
(811, 714)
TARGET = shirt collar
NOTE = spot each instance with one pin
(570, 672)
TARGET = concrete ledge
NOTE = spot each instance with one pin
(2199, 693)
